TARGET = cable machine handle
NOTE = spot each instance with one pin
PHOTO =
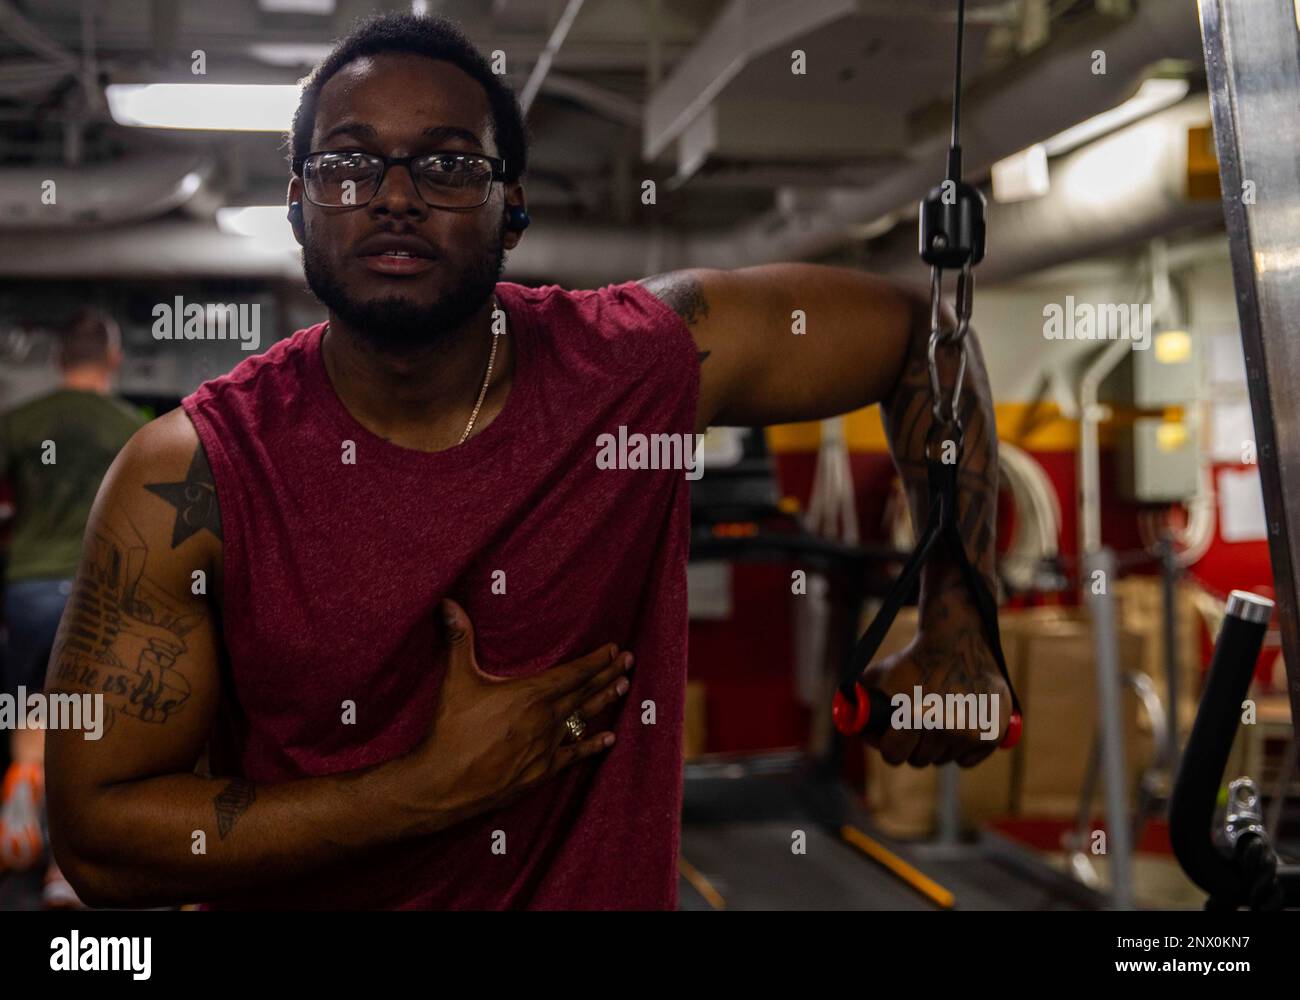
(1196, 790)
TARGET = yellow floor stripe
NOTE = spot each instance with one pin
(922, 883)
(701, 884)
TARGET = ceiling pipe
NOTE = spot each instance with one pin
(1122, 189)
(998, 119)
(68, 199)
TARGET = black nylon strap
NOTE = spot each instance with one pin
(985, 605)
(866, 647)
(941, 524)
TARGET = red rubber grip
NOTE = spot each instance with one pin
(848, 718)
(1014, 728)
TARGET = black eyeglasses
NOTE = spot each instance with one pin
(348, 178)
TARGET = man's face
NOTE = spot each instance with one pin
(390, 105)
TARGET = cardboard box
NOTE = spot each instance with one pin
(1058, 690)
(1142, 610)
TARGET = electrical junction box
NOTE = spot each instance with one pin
(1168, 372)
(1157, 461)
(1164, 372)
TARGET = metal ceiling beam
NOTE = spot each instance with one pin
(745, 30)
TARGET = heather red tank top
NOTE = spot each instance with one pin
(333, 572)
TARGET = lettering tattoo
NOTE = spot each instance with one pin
(122, 634)
(195, 500)
(232, 802)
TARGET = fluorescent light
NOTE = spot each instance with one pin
(267, 225)
(1117, 168)
(1154, 94)
(1022, 175)
(223, 106)
(289, 53)
(297, 6)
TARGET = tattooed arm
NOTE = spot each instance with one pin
(130, 821)
(863, 341)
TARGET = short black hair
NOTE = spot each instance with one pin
(432, 36)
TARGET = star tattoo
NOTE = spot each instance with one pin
(195, 500)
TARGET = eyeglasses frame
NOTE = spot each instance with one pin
(498, 174)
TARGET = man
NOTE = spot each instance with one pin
(55, 450)
(436, 650)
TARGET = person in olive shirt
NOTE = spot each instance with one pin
(54, 450)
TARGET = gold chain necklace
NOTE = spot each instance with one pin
(487, 378)
(492, 356)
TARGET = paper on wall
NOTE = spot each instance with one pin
(1241, 506)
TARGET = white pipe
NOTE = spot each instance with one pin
(1091, 414)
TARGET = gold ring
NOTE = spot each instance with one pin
(575, 727)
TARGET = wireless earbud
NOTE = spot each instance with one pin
(295, 214)
(518, 219)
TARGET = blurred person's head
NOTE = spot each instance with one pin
(89, 350)
(383, 90)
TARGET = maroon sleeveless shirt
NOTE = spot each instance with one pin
(333, 572)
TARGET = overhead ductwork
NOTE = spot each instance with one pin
(135, 188)
(161, 249)
(997, 120)
(1124, 188)
(999, 117)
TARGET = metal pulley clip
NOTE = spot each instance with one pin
(951, 236)
(952, 221)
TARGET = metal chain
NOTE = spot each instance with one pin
(957, 337)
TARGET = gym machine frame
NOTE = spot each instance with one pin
(1252, 60)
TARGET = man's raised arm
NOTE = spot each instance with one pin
(789, 342)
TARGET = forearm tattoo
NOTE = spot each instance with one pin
(908, 418)
(232, 802)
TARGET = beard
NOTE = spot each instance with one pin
(392, 323)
